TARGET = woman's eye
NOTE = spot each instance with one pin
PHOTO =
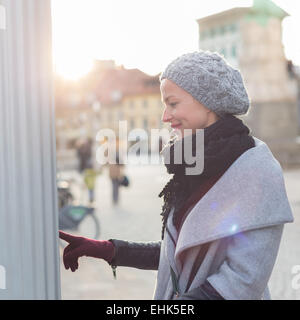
(173, 104)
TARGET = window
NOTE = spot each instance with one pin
(232, 27)
(116, 95)
(222, 30)
(233, 50)
(203, 35)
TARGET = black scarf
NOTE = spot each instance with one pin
(224, 141)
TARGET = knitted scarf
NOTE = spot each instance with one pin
(224, 141)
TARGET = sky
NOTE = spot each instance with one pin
(141, 34)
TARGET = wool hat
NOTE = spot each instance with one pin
(211, 81)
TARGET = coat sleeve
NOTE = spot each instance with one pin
(250, 258)
(141, 255)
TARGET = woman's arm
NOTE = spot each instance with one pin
(141, 255)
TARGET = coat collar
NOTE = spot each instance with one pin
(171, 236)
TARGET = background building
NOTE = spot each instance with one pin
(250, 38)
(128, 94)
(109, 94)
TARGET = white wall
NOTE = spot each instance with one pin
(29, 255)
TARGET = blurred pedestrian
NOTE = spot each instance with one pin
(90, 175)
(84, 153)
(222, 226)
(116, 173)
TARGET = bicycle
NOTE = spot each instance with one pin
(78, 219)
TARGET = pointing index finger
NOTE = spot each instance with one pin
(66, 236)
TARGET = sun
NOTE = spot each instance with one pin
(71, 66)
(72, 39)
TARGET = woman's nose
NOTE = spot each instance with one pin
(167, 116)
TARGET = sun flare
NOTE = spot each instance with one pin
(72, 67)
(147, 37)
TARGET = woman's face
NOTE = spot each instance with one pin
(182, 111)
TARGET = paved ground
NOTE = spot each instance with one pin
(137, 218)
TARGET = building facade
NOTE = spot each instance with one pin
(108, 95)
(250, 38)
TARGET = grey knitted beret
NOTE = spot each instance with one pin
(211, 81)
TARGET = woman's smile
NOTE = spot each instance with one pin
(175, 125)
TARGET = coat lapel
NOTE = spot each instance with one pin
(251, 194)
(171, 237)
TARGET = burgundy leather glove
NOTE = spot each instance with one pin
(81, 246)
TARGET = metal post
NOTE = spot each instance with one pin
(29, 252)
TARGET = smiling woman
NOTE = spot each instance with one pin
(217, 222)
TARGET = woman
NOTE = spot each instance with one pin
(221, 227)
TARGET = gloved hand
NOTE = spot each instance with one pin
(80, 246)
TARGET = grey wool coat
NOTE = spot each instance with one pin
(242, 218)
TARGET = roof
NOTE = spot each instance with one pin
(238, 11)
(114, 84)
(266, 7)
